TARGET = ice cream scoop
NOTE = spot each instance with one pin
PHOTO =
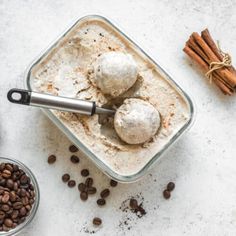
(115, 72)
(42, 100)
(136, 121)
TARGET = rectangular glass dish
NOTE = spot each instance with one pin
(66, 69)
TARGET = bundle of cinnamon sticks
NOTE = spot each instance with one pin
(203, 50)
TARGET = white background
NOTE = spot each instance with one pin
(202, 163)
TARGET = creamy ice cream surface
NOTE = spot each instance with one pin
(68, 70)
(136, 121)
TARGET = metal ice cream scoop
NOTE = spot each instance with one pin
(42, 100)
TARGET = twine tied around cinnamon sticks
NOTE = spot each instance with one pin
(226, 62)
(216, 64)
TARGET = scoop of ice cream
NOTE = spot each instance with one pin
(136, 121)
(115, 73)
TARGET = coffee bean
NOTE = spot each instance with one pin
(12, 195)
(25, 186)
(3, 182)
(24, 180)
(10, 184)
(170, 186)
(15, 186)
(2, 166)
(92, 190)
(28, 207)
(6, 174)
(113, 183)
(31, 186)
(23, 192)
(5, 207)
(73, 148)
(82, 187)
(14, 214)
(32, 194)
(74, 159)
(15, 167)
(85, 172)
(23, 211)
(84, 196)
(5, 198)
(105, 193)
(101, 202)
(8, 222)
(89, 182)
(9, 212)
(97, 221)
(17, 205)
(25, 201)
(71, 183)
(65, 178)
(52, 159)
(31, 201)
(9, 167)
(2, 215)
(166, 194)
(133, 203)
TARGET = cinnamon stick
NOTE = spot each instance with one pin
(208, 39)
(224, 88)
(203, 50)
(205, 34)
(231, 78)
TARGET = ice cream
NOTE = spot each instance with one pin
(136, 121)
(115, 72)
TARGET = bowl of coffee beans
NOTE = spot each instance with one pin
(19, 196)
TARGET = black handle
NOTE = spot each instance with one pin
(21, 96)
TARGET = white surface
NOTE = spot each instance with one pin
(202, 163)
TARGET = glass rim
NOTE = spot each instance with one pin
(35, 206)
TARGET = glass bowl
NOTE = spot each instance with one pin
(33, 211)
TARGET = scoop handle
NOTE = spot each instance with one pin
(26, 97)
(19, 96)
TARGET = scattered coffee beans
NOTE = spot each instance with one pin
(74, 159)
(101, 202)
(51, 159)
(170, 186)
(84, 196)
(166, 194)
(82, 187)
(113, 183)
(71, 183)
(92, 190)
(16, 196)
(105, 193)
(89, 182)
(65, 178)
(133, 203)
(86, 188)
(97, 221)
(85, 172)
(73, 148)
